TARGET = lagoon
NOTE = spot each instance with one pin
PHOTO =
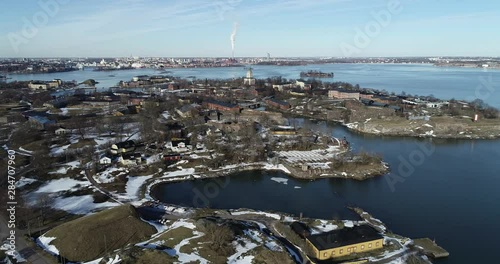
(451, 195)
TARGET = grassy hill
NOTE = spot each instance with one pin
(90, 237)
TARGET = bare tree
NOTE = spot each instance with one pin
(44, 203)
(220, 238)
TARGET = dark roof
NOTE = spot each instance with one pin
(389, 98)
(129, 156)
(126, 144)
(187, 108)
(345, 91)
(344, 237)
(300, 228)
(278, 102)
(175, 126)
(35, 113)
(42, 120)
(229, 105)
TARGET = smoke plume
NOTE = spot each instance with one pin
(233, 36)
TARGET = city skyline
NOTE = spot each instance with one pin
(284, 28)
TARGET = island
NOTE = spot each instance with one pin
(92, 161)
(316, 74)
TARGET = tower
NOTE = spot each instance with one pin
(249, 80)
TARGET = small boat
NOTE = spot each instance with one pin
(111, 75)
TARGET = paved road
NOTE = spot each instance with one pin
(22, 247)
(28, 252)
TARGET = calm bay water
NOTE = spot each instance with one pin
(445, 83)
(452, 196)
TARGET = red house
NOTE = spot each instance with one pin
(221, 106)
(278, 104)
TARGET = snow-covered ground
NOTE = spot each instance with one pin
(134, 184)
(44, 242)
(269, 166)
(182, 257)
(24, 182)
(270, 215)
(348, 223)
(64, 168)
(317, 155)
(324, 226)
(180, 172)
(104, 140)
(64, 184)
(110, 174)
(56, 151)
(240, 250)
(80, 204)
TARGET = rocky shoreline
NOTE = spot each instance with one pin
(424, 130)
(416, 129)
(292, 172)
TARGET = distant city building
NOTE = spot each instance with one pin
(38, 85)
(281, 87)
(42, 85)
(303, 84)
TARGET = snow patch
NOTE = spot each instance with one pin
(348, 223)
(44, 242)
(59, 185)
(80, 204)
(180, 172)
(240, 250)
(134, 184)
(280, 167)
(24, 181)
(275, 216)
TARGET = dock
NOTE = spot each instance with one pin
(430, 248)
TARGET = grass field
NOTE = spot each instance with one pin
(174, 236)
(93, 236)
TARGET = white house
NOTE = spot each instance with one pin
(436, 105)
(181, 147)
(105, 161)
(129, 160)
(61, 131)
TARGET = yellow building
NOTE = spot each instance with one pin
(284, 131)
(344, 242)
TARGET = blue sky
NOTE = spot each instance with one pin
(183, 28)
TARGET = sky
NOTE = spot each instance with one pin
(283, 28)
